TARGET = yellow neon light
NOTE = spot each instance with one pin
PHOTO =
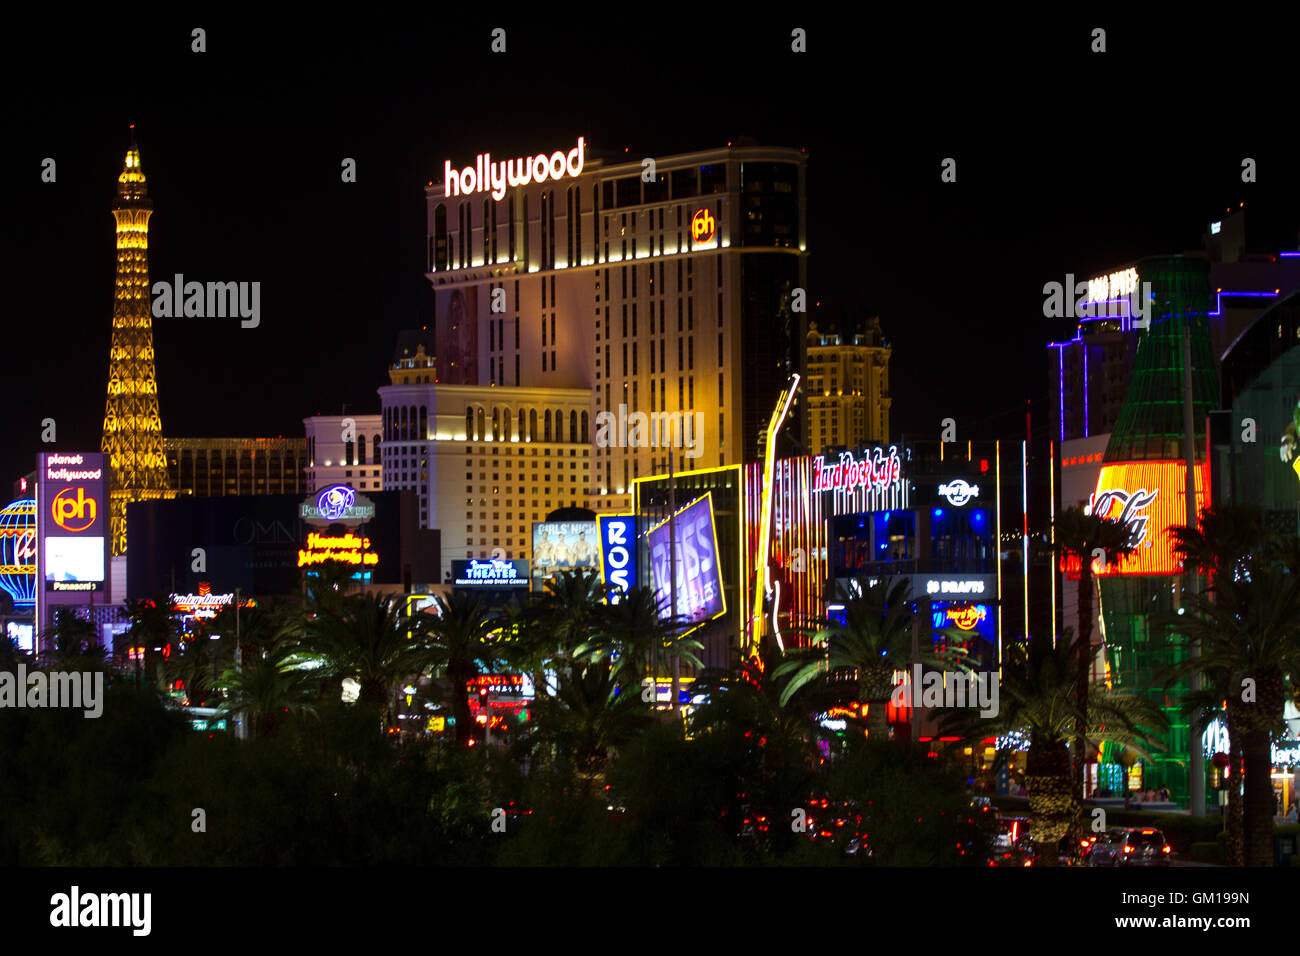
(761, 585)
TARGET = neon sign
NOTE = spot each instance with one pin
(349, 548)
(492, 573)
(485, 174)
(337, 504)
(73, 514)
(966, 616)
(1113, 286)
(703, 226)
(959, 492)
(1149, 497)
(876, 472)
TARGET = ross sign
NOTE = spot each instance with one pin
(348, 548)
(1149, 497)
(337, 504)
(618, 551)
(876, 471)
(490, 574)
(73, 520)
(698, 577)
(959, 492)
(486, 175)
(703, 226)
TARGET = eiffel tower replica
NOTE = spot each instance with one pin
(132, 426)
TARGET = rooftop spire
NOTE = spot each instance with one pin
(131, 188)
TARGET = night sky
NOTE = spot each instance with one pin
(1067, 161)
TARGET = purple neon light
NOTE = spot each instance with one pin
(1085, 390)
(1060, 354)
(1218, 310)
(1289, 255)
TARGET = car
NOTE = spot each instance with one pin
(1011, 843)
(1104, 848)
(1144, 846)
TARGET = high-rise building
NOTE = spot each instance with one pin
(132, 425)
(847, 395)
(216, 467)
(344, 450)
(654, 314)
(1090, 373)
(517, 453)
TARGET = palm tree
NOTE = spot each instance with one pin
(1037, 693)
(1246, 623)
(1081, 534)
(874, 641)
(588, 719)
(153, 624)
(635, 636)
(464, 635)
(371, 640)
(328, 584)
(268, 687)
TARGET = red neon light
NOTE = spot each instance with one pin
(878, 471)
(1150, 497)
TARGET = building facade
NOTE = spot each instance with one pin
(582, 286)
(344, 450)
(215, 467)
(847, 396)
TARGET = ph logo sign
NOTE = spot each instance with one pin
(703, 226)
(73, 511)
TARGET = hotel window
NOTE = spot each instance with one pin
(652, 395)
(516, 369)
(595, 219)
(679, 354)
(511, 206)
(634, 368)
(625, 320)
(720, 392)
(624, 358)
(679, 311)
(719, 310)
(690, 352)
(634, 318)
(652, 357)
(623, 271)
(719, 257)
(552, 322)
(690, 313)
(526, 232)
(663, 364)
(681, 392)
(690, 274)
(690, 392)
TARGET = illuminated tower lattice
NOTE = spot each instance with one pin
(132, 426)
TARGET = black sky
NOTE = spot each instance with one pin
(1068, 161)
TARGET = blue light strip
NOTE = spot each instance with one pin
(1218, 310)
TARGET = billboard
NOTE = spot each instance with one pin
(456, 329)
(73, 525)
(564, 546)
(699, 578)
(1150, 497)
(492, 574)
(618, 551)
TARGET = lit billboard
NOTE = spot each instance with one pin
(618, 553)
(73, 524)
(699, 578)
(493, 574)
(1150, 497)
(564, 546)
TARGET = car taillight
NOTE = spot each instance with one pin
(1029, 862)
(1128, 849)
(1167, 848)
(1085, 843)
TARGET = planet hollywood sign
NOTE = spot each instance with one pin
(486, 175)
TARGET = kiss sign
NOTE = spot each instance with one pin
(877, 471)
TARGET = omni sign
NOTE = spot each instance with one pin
(703, 226)
(486, 175)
